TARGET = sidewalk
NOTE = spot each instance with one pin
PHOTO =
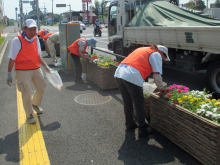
(76, 132)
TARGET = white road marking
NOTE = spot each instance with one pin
(4, 35)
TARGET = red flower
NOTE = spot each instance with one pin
(160, 94)
(179, 91)
(175, 102)
(166, 90)
(169, 95)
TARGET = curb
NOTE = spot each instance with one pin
(2, 49)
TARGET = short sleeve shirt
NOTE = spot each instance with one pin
(16, 47)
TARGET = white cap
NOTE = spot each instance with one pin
(165, 50)
(48, 29)
(30, 23)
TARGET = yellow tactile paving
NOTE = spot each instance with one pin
(31, 143)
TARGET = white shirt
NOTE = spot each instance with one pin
(54, 37)
(81, 44)
(133, 76)
(16, 47)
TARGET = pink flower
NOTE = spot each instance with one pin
(185, 91)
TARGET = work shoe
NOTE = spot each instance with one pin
(131, 127)
(145, 131)
(31, 120)
(38, 109)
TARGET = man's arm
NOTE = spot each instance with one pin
(158, 81)
(46, 67)
(81, 54)
(10, 65)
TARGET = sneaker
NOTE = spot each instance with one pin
(131, 127)
(145, 131)
(38, 109)
(31, 120)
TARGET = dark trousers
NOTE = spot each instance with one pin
(78, 64)
(132, 94)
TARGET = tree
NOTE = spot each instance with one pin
(217, 4)
(56, 17)
(201, 5)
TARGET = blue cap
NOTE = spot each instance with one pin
(91, 41)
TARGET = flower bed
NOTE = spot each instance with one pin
(184, 117)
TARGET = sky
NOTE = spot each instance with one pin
(76, 5)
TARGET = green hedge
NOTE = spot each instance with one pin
(1, 40)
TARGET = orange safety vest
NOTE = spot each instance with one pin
(41, 33)
(74, 48)
(27, 58)
(47, 35)
(139, 59)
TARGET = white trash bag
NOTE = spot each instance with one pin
(149, 87)
(84, 76)
(55, 79)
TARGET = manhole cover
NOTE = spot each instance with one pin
(92, 99)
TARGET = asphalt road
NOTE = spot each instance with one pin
(77, 134)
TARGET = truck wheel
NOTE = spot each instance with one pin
(118, 50)
(213, 78)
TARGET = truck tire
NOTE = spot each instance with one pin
(213, 78)
(118, 49)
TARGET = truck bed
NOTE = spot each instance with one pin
(201, 38)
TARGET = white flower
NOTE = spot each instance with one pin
(215, 116)
(215, 109)
(209, 113)
(205, 105)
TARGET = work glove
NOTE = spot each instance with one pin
(47, 69)
(9, 79)
(87, 58)
(159, 82)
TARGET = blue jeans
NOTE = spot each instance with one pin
(132, 93)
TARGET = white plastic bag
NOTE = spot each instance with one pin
(149, 88)
(55, 79)
(59, 62)
(84, 76)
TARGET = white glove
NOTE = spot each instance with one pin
(9, 79)
(47, 69)
(159, 81)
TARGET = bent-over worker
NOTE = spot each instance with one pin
(130, 75)
(77, 50)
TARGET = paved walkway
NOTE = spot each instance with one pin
(70, 132)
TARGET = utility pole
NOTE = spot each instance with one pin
(16, 9)
(207, 4)
(70, 13)
(52, 12)
(45, 14)
(21, 13)
(38, 21)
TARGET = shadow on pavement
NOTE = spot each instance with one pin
(12, 152)
(143, 150)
